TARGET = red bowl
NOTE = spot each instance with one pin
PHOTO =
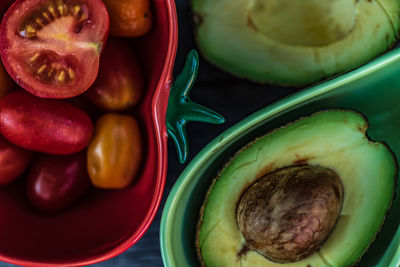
(105, 223)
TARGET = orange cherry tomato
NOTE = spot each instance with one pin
(115, 153)
(129, 18)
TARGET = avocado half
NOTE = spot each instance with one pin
(334, 140)
(294, 42)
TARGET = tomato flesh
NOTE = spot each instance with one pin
(52, 47)
(44, 125)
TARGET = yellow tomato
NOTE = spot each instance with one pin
(129, 18)
(115, 152)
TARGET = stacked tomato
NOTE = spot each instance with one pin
(62, 61)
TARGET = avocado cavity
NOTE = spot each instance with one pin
(287, 214)
(303, 23)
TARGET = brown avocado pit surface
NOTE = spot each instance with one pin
(287, 214)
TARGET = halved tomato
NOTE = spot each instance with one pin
(51, 48)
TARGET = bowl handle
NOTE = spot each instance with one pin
(182, 110)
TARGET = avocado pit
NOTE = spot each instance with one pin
(287, 214)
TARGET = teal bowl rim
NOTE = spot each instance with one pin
(253, 120)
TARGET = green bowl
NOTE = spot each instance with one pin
(373, 89)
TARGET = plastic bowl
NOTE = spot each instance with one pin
(373, 89)
(105, 223)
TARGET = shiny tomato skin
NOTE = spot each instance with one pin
(57, 182)
(129, 18)
(44, 125)
(13, 161)
(119, 85)
(115, 153)
(56, 61)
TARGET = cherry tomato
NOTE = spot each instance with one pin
(129, 18)
(13, 161)
(44, 125)
(57, 182)
(115, 153)
(119, 85)
(52, 48)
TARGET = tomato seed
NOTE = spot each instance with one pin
(39, 21)
(61, 76)
(76, 10)
(46, 16)
(50, 72)
(61, 9)
(41, 69)
(52, 11)
(71, 73)
(34, 58)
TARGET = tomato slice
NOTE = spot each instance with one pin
(51, 48)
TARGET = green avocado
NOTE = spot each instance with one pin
(294, 42)
(318, 175)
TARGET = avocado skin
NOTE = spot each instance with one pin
(344, 121)
(235, 48)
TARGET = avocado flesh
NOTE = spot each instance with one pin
(232, 35)
(332, 139)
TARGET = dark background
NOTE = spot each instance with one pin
(235, 99)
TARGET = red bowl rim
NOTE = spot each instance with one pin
(159, 110)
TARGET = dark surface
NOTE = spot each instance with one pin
(235, 99)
